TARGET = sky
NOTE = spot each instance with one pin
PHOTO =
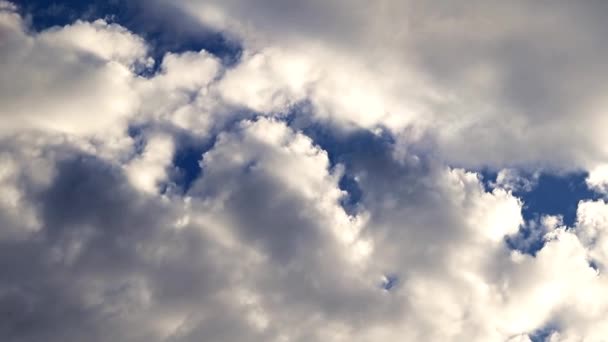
(303, 171)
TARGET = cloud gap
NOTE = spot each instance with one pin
(549, 193)
(165, 27)
(543, 334)
(186, 161)
(389, 282)
(342, 149)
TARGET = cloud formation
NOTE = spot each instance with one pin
(490, 82)
(389, 107)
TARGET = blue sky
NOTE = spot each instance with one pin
(165, 28)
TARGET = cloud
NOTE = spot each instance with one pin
(598, 178)
(150, 168)
(489, 84)
(79, 76)
(101, 241)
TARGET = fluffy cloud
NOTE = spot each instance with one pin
(489, 83)
(330, 102)
(598, 178)
(74, 79)
(150, 168)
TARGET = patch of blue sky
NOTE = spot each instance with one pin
(543, 334)
(347, 148)
(551, 194)
(389, 282)
(165, 28)
(186, 162)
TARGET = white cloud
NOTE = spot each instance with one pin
(490, 84)
(511, 180)
(598, 178)
(181, 94)
(269, 81)
(591, 225)
(109, 42)
(147, 170)
(74, 79)
(188, 71)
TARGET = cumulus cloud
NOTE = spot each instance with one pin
(74, 79)
(598, 178)
(150, 168)
(492, 83)
(329, 102)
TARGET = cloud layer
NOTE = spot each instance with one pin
(320, 186)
